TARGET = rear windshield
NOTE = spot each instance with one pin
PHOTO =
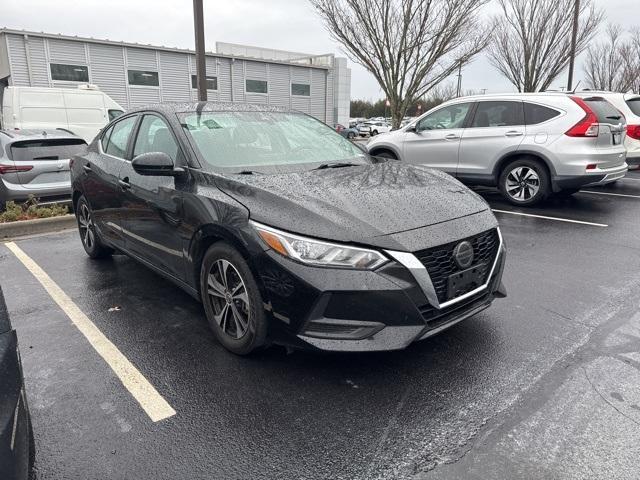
(43, 149)
(634, 105)
(605, 112)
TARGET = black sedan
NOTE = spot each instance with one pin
(16, 446)
(287, 232)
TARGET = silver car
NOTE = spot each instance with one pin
(36, 162)
(528, 145)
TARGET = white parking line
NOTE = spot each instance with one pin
(557, 219)
(610, 194)
(145, 394)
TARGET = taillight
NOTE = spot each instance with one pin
(14, 168)
(633, 131)
(588, 126)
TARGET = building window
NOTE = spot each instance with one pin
(301, 89)
(212, 82)
(256, 86)
(69, 73)
(143, 78)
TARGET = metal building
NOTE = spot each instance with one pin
(135, 74)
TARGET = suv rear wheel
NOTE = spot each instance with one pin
(524, 182)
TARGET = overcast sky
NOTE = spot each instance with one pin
(280, 24)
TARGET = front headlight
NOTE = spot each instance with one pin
(317, 252)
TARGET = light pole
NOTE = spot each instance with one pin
(574, 35)
(201, 69)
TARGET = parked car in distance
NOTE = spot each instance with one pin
(83, 110)
(629, 105)
(347, 132)
(364, 129)
(36, 163)
(528, 145)
(286, 231)
(379, 127)
(16, 436)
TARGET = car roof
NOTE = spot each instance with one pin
(509, 96)
(181, 107)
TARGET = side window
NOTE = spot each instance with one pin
(105, 139)
(113, 114)
(498, 114)
(534, 114)
(154, 135)
(119, 137)
(448, 117)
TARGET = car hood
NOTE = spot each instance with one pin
(353, 204)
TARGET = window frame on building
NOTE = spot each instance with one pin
(194, 82)
(307, 85)
(85, 68)
(143, 72)
(246, 86)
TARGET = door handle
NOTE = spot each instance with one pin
(124, 184)
(87, 167)
(451, 136)
(513, 133)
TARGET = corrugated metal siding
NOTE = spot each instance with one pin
(279, 86)
(255, 70)
(329, 107)
(318, 85)
(174, 75)
(18, 60)
(39, 64)
(108, 71)
(141, 59)
(140, 96)
(238, 81)
(66, 51)
(224, 79)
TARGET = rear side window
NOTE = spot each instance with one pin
(634, 105)
(605, 112)
(113, 114)
(119, 138)
(47, 149)
(498, 114)
(534, 114)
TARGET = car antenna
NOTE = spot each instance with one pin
(576, 87)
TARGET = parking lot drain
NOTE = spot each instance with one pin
(557, 219)
(155, 406)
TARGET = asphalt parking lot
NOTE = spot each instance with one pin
(542, 385)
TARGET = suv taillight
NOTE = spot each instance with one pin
(588, 126)
(13, 168)
(633, 131)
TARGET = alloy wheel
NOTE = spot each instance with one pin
(85, 223)
(229, 298)
(522, 183)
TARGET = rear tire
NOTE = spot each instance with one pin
(89, 237)
(524, 182)
(232, 300)
(351, 135)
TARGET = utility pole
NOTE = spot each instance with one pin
(574, 35)
(459, 88)
(201, 69)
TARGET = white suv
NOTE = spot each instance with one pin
(629, 105)
(528, 145)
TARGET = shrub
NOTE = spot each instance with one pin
(30, 210)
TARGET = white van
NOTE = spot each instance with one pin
(82, 111)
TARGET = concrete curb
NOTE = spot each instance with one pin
(33, 227)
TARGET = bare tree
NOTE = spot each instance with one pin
(531, 39)
(409, 46)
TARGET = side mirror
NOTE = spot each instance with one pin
(157, 164)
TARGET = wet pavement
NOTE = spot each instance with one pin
(544, 384)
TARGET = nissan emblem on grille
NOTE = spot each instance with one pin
(463, 254)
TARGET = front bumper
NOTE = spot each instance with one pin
(14, 418)
(357, 311)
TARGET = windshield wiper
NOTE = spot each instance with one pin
(248, 172)
(336, 165)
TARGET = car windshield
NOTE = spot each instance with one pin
(268, 142)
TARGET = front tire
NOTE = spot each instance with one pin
(88, 234)
(524, 182)
(351, 135)
(232, 300)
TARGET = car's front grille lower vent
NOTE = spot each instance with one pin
(440, 263)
